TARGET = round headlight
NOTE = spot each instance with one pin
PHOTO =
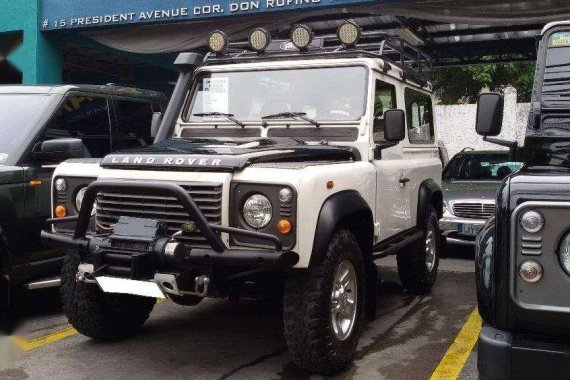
(301, 37)
(349, 33)
(564, 252)
(285, 195)
(259, 39)
(79, 198)
(60, 184)
(530, 271)
(218, 42)
(257, 211)
(532, 221)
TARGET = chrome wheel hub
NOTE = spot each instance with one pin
(431, 248)
(343, 300)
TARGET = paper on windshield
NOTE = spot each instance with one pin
(561, 39)
(216, 95)
(3, 157)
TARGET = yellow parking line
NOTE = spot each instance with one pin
(457, 354)
(28, 345)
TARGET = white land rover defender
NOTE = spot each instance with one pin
(280, 167)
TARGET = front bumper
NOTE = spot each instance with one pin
(449, 225)
(143, 249)
(502, 355)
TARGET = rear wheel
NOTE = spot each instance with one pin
(417, 266)
(323, 308)
(101, 315)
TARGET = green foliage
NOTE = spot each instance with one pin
(464, 83)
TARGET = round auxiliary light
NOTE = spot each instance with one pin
(218, 42)
(259, 39)
(530, 271)
(60, 184)
(349, 33)
(532, 221)
(565, 252)
(301, 36)
(257, 211)
(285, 195)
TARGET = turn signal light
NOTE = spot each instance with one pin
(60, 211)
(284, 226)
(530, 271)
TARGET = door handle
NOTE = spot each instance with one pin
(404, 180)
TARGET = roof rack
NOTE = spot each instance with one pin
(415, 64)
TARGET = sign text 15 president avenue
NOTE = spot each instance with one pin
(72, 14)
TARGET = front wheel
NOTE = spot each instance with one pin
(417, 266)
(323, 308)
(101, 315)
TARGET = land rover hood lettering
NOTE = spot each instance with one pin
(217, 162)
(173, 161)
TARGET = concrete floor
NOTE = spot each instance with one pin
(218, 339)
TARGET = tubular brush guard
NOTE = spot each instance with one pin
(137, 231)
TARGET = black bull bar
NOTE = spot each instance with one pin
(219, 252)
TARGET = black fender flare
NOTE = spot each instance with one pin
(484, 273)
(345, 206)
(430, 193)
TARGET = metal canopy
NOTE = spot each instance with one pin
(452, 32)
(450, 44)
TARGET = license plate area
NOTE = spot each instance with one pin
(468, 229)
(126, 286)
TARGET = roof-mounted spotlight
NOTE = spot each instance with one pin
(259, 40)
(218, 42)
(349, 33)
(301, 37)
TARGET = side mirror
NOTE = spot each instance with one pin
(59, 150)
(155, 124)
(489, 114)
(394, 125)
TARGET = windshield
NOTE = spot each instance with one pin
(322, 94)
(556, 83)
(480, 167)
(18, 117)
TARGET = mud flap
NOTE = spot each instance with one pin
(4, 292)
(371, 289)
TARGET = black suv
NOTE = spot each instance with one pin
(37, 123)
(523, 252)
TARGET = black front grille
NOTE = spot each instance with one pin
(474, 210)
(112, 205)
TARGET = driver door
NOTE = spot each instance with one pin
(80, 116)
(392, 205)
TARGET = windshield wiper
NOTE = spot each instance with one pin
(229, 116)
(292, 115)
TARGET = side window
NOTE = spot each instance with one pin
(384, 100)
(135, 119)
(85, 118)
(419, 114)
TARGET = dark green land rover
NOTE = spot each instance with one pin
(37, 124)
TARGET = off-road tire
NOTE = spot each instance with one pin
(99, 315)
(307, 310)
(412, 267)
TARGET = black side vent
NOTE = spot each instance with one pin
(531, 245)
(286, 211)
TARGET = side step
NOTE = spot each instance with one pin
(43, 284)
(392, 245)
